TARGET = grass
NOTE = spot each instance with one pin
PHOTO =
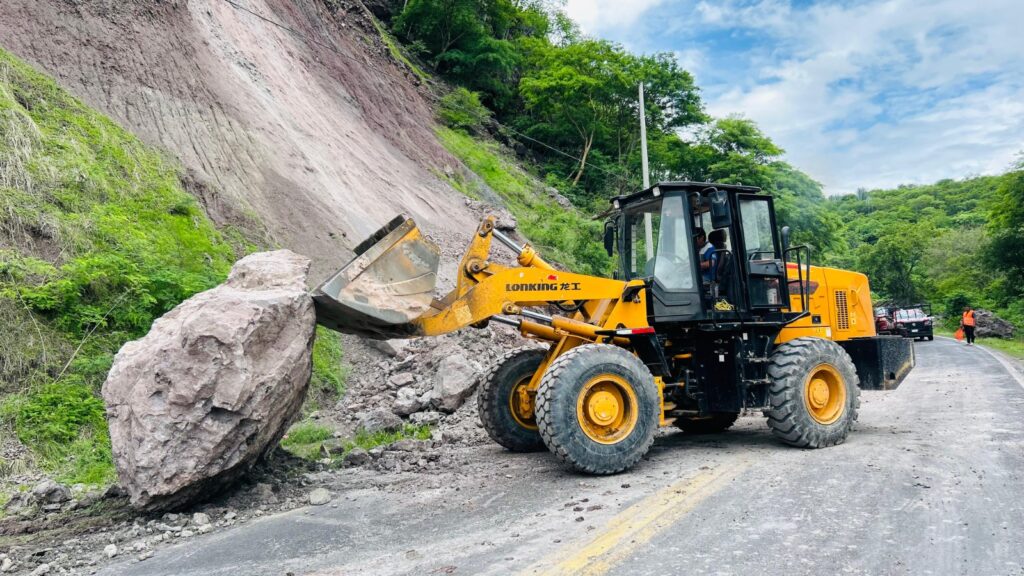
(1011, 347)
(306, 440)
(99, 238)
(329, 370)
(64, 423)
(396, 50)
(564, 236)
(370, 440)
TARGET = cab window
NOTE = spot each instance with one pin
(758, 234)
(670, 257)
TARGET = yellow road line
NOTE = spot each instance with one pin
(637, 525)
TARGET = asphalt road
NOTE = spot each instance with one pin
(930, 482)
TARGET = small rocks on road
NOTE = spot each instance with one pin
(319, 497)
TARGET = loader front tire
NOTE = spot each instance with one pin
(814, 395)
(598, 409)
(501, 412)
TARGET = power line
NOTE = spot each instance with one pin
(293, 31)
(335, 49)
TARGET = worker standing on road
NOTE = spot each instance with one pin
(967, 324)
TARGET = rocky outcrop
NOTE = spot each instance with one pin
(215, 383)
(991, 326)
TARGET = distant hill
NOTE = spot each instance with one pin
(929, 242)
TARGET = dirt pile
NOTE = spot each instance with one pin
(425, 381)
(311, 134)
(214, 385)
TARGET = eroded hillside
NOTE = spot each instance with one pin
(309, 137)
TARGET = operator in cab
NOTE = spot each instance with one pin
(707, 256)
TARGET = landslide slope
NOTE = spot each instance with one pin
(308, 137)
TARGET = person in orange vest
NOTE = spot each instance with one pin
(967, 323)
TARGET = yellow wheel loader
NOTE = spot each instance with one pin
(673, 337)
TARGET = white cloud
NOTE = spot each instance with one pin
(692, 60)
(884, 92)
(597, 16)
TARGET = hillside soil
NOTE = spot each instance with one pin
(308, 136)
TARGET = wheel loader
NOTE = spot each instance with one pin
(664, 341)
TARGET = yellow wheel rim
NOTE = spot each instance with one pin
(607, 409)
(520, 404)
(825, 394)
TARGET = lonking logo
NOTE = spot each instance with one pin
(543, 287)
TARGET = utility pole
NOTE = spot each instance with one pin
(648, 226)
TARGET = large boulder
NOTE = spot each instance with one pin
(214, 385)
(988, 325)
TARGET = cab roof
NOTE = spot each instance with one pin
(684, 186)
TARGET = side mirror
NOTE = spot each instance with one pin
(785, 238)
(721, 217)
(609, 238)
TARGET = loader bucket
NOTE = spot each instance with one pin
(882, 362)
(385, 287)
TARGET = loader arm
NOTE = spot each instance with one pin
(383, 292)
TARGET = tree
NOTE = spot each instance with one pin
(800, 204)
(892, 262)
(475, 42)
(740, 153)
(1006, 250)
(583, 96)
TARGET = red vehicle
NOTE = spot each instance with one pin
(914, 322)
(884, 322)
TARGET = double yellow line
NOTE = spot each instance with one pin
(637, 525)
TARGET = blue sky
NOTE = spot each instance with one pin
(859, 93)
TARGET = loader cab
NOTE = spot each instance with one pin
(748, 279)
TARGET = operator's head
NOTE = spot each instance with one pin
(700, 238)
(967, 308)
(718, 238)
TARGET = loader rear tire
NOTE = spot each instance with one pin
(499, 390)
(814, 395)
(716, 422)
(598, 409)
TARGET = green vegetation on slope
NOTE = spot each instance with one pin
(99, 239)
(564, 236)
(330, 372)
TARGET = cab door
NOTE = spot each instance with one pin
(765, 278)
(668, 265)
